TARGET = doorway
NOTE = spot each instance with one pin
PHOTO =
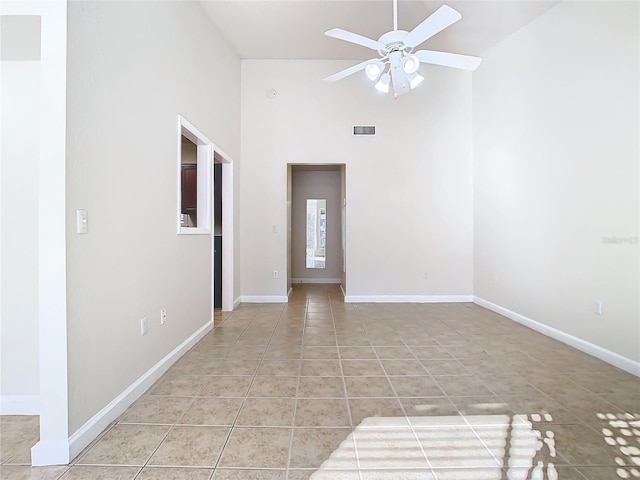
(316, 216)
(222, 233)
(217, 234)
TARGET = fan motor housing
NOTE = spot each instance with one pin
(393, 41)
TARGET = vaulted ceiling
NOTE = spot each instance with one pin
(294, 29)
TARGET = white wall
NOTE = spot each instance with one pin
(19, 375)
(409, 189)
(316, 184)
(556, 139)
(132, 68)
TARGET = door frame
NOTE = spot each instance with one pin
(342, 167)
(227, 232)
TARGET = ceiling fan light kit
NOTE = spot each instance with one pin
(398, 65)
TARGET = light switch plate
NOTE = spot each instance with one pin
(82, 221)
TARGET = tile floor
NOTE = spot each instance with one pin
(319, 389)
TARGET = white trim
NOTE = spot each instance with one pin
(237, 302)
(608, 356)
(204, 148)
(408, 298)
(317, 280)
(264, 299)
(101, 420)
(52, 292)
(227, 232)
(50, 452)
(20, 405)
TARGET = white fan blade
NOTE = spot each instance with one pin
(466, 62)
(436, 22)
(354, 38)
(349, 71)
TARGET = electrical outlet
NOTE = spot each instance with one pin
(597, 307)
(143, 326)
(276, 274)
(163, 316)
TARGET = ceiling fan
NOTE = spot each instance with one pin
(398, 64)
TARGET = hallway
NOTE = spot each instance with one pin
(320, 389)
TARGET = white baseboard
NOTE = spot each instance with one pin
(101, 420)
(237, 302)
(264, 299)
(19, 404)
(316, 280)
(408, 298)
(50, 452)
(608, 356)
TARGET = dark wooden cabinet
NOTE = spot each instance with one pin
(189, 188)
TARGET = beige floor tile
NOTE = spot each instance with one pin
(280, 367)
(279, 352)
(390, 353)
(101, 473)
(326, 340)
(125, 444)
(321, 387)
(362, 408)
(468, 473)
(177, 385)
(312, 446)
(321, 368)
(445, 367)
(18, 433)
(156, 409)
(606, 473)
(481, 405)
(225, 386)
(236, 474)
(403, 367)
(367, 368)
(416, 386)
(194, 366)
(428, 406)
(300, 474)
(356, 340)
(273, 386)
(18, 472)
(209, 351)
(368, 387)
(361, 353)
(212, 411)
(562, 407)
(257, 448)
(580, 445)
(509, 385)
(547, 409)
(431, 353)
(191, 446)
(267, 412)
(460, 386)
(233, 366)
(322, 412)
(173, 473)
(311, 353)
(247, 352)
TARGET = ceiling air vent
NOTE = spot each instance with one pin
(364, 129)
